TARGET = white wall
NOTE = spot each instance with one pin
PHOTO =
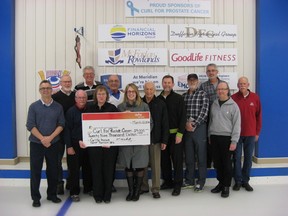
(45, 39)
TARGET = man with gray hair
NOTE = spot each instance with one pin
(77, 157)
(195, 137)
(65, 97)
(89, 85)
(210, 88)
(159, 138)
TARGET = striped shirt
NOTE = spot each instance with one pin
(197, 106)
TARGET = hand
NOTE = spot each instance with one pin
(256, 138)
(70, 151)
(178, 140)
(189, 127)
(232, 147)
(163, 146)
(82, 144)
(105, 146)
(46, 141)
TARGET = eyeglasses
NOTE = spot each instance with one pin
(209, 71)
(47, 88)
(89, 74)
(81, 98)
(131, 92)
(222, 89)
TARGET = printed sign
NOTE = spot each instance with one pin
(202, 57)
(116, 129)
(133, 32)
(174, 8)
(54, 77)
(202, 32)
(180, 79)
(132, 57)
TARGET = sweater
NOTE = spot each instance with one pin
(65, 100)
(45, 118)
(251, 113)
(225, 120)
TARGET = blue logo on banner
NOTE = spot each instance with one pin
(131, 6)
(114, 57)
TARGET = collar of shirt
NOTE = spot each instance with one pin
(85, 84)
(44, 104)
(65, 92)
(114, 94)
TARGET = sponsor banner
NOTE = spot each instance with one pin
(202, 57)
(54, 77)
(180, 79)
(202, 32)
(116, 129)
(132, 57)
(174, 8)
(133, 32)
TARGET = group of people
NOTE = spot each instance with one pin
(204, 124)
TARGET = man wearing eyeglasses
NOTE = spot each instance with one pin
(45, 121)
(89, 85)
(65, 97)
(210, 88)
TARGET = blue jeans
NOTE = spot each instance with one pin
(195, 146)
(247, 143)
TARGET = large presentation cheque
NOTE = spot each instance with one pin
(116, 129)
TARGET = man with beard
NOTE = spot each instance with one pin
(65, 97)
(195, 137)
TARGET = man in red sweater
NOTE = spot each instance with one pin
(251, 122)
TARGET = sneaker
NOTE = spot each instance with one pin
(187, 186)
(198, 188)
(75, 198)
(247, 187)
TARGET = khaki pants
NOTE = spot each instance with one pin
(154, 161)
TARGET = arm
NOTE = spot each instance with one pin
(258, 119)
(164, 127)
(236, 128)
(182, 121)
(204, 110)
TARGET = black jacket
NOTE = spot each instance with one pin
(176, 112)
(159, 114)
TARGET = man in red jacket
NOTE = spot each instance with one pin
(251, 122)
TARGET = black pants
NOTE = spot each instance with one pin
(37, 154)
(76, 162)
(102, 162)
(172, 152)
(222, 157)
(61, 150)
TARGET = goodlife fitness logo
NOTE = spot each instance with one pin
(201, 57)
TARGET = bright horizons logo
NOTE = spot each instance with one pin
(118, 32)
